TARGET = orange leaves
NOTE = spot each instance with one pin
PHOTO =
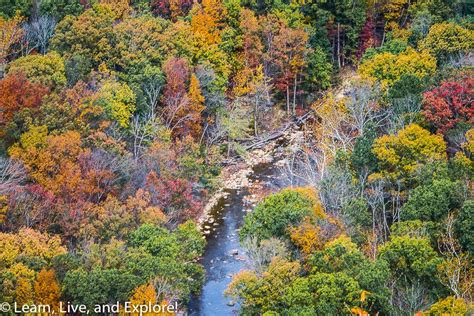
(50, 160)
(113, 218)
(143, 295)
(17, 93)
(206, 23)
(61, 165)
(252, 44)
(47, 290)
(306, 237)
(311, 235)
(196, 106)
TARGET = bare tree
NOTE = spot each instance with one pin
(410, 299)
(305, 164)
(38, 32)
(333, 130)
(404, 111)
(165, 289)
(262, 253)
(376, 199)
(337, 189)
(12, 174)
(152, 87)
(456, 271)
(363, 107)
(144, 130)
(29, 207)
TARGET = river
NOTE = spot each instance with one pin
(224, 256)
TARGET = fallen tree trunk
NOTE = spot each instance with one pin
(281, 132)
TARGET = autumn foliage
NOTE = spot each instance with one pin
(122, 124)
(450, 103)
(18, 93)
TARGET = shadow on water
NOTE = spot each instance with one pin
(224, 255)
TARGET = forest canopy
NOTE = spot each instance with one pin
(119, 121)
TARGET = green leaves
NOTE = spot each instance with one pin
(432, 202)
(273, 216)
(411, 260)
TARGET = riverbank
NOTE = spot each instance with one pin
(244, 184)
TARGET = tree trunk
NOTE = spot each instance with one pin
(288, 100)
(255, 115)
(338, 46)
(294, 94)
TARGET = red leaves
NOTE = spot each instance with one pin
(177, 75)
(171, 8)
(449, 104)
(16, 93)
(174, 195)
(183, 108)
(367, 37)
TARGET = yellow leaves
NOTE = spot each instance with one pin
(312, 195)
(333, 118)
(3, 208)
(247, 81)
(469, 144)
(88, 35)
(139, 41)
(9, 249)
(389, 68)
(343, 241)
(33, 243)
(447, 38)
(20, 271)
(402, 154)
(399, 32)
(393, 9)
(448, 306)
(195, 94)
(143, 295)
(49, 69)
(306, 237)
(215, 9)
(418, 64)
(10, 34)
(118, 100)
(240, 280)
(120, 8)
(27, 243)
(23, 292)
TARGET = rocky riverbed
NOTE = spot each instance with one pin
(243, 185)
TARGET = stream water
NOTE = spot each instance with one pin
(224, 255)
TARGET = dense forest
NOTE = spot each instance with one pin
(118, 119)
